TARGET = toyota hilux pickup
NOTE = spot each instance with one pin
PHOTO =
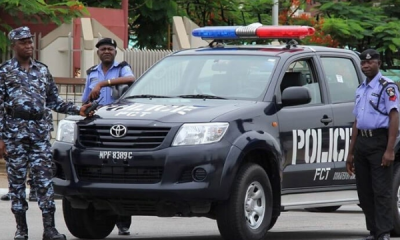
(234, 132)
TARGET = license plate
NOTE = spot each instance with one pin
(115, 155)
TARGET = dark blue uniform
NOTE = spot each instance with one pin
(26, 97)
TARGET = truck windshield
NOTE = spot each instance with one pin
(215, 76)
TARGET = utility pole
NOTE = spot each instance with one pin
(275, 17)
(275, 12)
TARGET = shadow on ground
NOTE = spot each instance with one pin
(298, 235)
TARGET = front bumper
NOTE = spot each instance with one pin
(165, 174)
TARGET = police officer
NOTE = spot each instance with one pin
(26, 89)
(109, 73)
(99, 82)
(371, 153)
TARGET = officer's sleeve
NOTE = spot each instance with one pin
(86, 91)
(2, 99)
(356, 102)
(56, 103)
(126, 72)
(391, 96)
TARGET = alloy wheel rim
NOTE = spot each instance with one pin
(254, 205)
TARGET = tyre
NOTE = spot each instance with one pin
(87, 223)
(247, 213)
(272, 223)
(323, 209)
(396, 201)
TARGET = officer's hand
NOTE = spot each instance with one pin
(3, 151)
(95, 93)
(350, 164)
(388, 158)
(83, 110)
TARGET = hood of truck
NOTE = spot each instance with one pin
(171, 110)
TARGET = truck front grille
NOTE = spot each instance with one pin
(135, 138)
(113, 174)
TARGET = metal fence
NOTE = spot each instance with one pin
(142, 59)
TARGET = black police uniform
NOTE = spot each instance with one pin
(374, 101)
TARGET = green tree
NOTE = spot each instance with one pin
(38, 11)
(355, 24)
(149, 20)
(360, 25)
(227, 12)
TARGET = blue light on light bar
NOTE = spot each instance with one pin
(254, 30)
(223, 32)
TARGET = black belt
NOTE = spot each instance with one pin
(372, 132)
(24, 115)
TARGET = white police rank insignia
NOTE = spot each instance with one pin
(368, 56)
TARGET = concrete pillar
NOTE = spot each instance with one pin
(87, 45)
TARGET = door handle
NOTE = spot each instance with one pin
(326, 120)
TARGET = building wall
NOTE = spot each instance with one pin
(115, 20)
(111, 19)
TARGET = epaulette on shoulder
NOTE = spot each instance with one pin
(4, 64)
(91, 69)
(383, 82)
(123, 64)
(41, 63)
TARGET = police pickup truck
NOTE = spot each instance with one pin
(236, 133)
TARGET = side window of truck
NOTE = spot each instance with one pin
(300, 73)
(341, 78)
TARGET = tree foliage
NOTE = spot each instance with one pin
(353, 24)
(38, 11)
(360, 25)
(149, 20)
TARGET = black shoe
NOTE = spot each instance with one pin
(6, 197)
(384, 237)
(123, 231)
(32, 196)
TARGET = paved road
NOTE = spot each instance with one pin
(346, 223)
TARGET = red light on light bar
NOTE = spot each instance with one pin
(284, 31)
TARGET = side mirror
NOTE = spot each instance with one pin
(118, 90)
(123, 89)
(293, 96)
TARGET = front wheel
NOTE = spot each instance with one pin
(247, 214)
(87, 223)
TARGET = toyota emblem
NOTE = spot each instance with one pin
(118, 131)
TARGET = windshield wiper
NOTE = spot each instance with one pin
(204, 96)
(147, 96)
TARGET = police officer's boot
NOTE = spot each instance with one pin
(22, 227)
(50, 232)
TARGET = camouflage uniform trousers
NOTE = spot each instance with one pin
(37, 155)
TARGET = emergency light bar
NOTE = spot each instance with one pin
(255, 30)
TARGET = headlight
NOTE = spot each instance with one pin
(200, 133)
(66, 131)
